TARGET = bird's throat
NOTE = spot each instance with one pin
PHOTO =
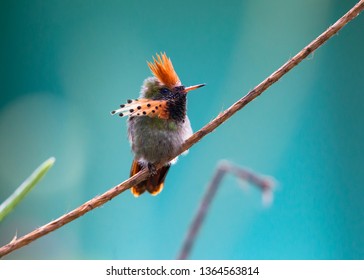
(177, 108)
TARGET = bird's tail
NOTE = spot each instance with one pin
(154, 184)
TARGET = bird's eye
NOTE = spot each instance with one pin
(164, 91)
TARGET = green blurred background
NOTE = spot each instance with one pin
(65, 64)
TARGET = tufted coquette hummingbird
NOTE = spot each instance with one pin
(157, 123)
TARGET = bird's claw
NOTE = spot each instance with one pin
(152, 169)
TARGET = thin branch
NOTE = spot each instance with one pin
(224, 167)
(222, 117)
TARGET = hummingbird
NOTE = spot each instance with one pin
(157, 123)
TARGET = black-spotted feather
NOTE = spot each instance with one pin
(143, 107)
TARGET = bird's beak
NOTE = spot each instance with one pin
(187, 89)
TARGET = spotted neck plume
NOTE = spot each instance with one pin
(143, 107)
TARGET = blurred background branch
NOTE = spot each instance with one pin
(264, 183)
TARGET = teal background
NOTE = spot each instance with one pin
(64, 65)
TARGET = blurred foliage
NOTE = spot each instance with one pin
(9, 204)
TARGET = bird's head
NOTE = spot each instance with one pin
(161, 94)
(165, 84)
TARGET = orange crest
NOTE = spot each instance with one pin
(163, 70)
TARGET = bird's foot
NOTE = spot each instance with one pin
(152, 169)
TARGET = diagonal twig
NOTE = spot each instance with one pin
(222, 117)
(266, 185)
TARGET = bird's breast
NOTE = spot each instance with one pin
(156, 140)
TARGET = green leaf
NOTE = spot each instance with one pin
(8, 205)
